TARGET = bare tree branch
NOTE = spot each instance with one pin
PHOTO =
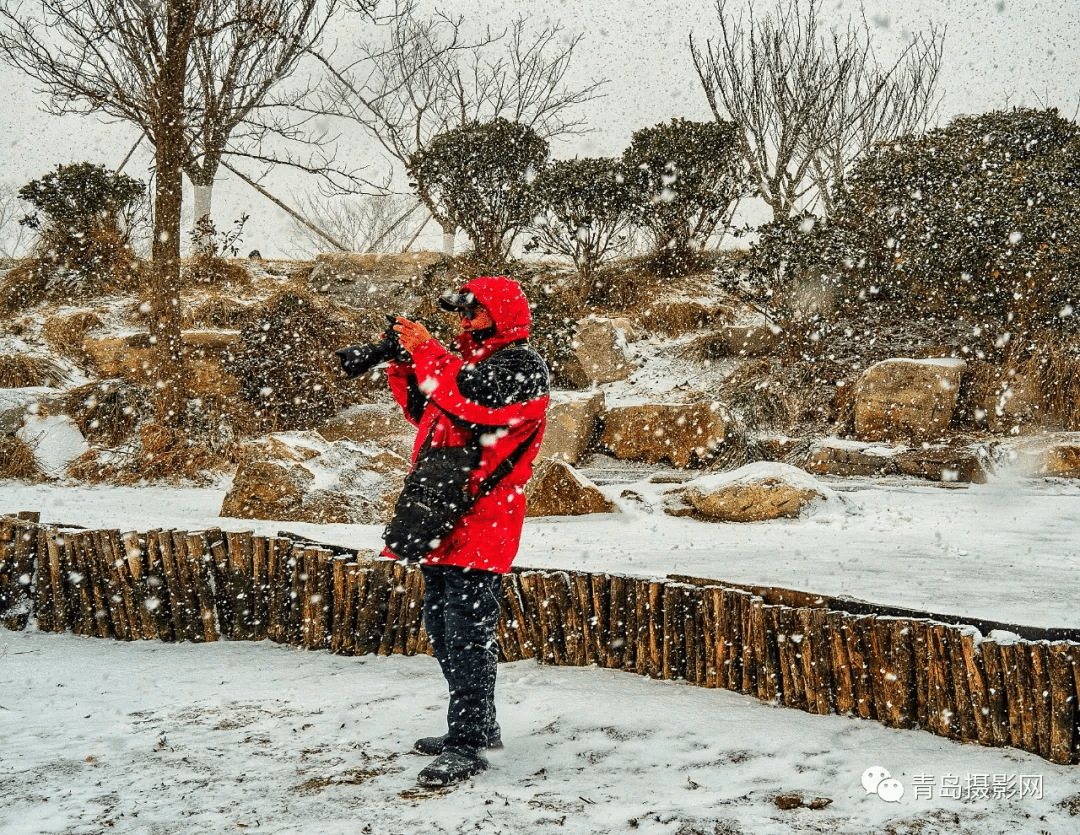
(426, 76)
(809, 104)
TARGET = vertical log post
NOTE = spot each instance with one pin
(1063, 711)
(260, 587)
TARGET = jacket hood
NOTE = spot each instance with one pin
(504, 300)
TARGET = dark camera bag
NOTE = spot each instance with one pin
(436, 495)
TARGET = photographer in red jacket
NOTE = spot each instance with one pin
(480, 413)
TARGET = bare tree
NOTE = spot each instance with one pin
(364, 222)
(244, 53)
(426, 77)
(124, 57)
(809, 104)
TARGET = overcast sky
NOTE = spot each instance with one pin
(997, 53)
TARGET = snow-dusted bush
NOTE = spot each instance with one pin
(688, 177)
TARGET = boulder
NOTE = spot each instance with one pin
(851, 458)
(1062, 460)
(943, 464)
(601, 351)
(906, 399)
(379, 423)
(301, 477)
(754, 493)
(557, 489)
(374, 281)
(679, 433)
(571, 419)
(131, 357)
(1056, 454)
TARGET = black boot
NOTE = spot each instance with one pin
(453, 765)
(432, 746)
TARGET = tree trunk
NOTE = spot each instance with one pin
(202, 195)
(448, 236)
(165, 275)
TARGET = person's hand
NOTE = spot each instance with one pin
(411, 335)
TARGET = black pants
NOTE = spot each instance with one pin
(461, 611)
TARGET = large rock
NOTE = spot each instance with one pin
(557, 489)
(300, 477)
(754, 493)
(906, 399)
(682, 434)
(1062, 460)
(945, 463)
(1055, 454)
(131, 357)
(601, 351)
(378, 423)
(571, 419)
(383, 282)
(851, 458)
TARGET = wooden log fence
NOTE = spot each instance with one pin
(786, 648)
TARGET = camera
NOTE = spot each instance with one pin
(360, 359)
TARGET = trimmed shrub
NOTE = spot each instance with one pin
(585, 211)
(689, 178)
(975, 220)
(476, 178)
(83, 214)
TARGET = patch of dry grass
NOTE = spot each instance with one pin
(20, 372)
(174, 456)
(217, 311)
(216, 272)
(65, 334)
(17, 459)
(1052, 367)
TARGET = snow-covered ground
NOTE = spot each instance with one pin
(102, 736)
(1007, 551)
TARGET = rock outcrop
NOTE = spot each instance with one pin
(300, 477)
(557, 489)
(906, 399)
(382, 282)
(601, 352)
(680, 433)
(382, 424)
(131, 358)
(945, 463)
(755, 493)
(571, 420)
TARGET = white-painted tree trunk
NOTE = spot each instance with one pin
(203, 196)
(448, 236)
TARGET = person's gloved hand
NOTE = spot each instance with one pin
(410, 335)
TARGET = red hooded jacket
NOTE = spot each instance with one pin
(499, 385)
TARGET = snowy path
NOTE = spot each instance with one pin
(1007, 551)
(102, 736)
